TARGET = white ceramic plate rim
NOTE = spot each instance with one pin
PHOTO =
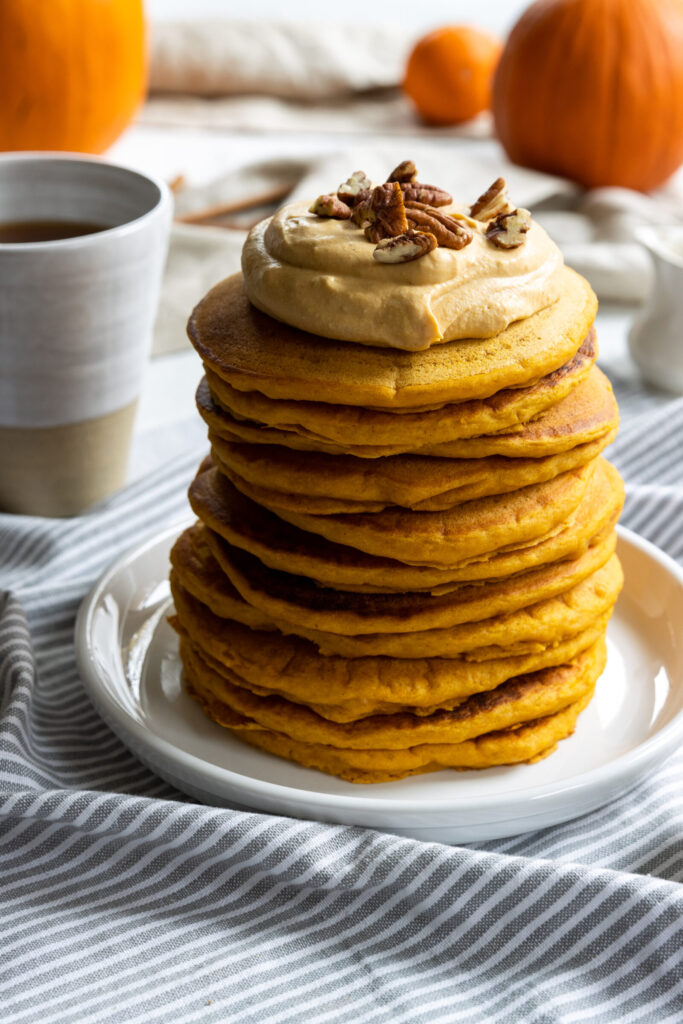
(218, 778)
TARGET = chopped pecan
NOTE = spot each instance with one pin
(385, 213)
(360, 214)
(431, 194)
(507, 231)
(330, 206)
(449, 232)
(406, 172)
(349, 190)
(410, 245)
(491, 203)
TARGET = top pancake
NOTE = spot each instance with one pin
(327, 422)
(252, 351)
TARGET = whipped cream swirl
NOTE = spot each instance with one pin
(319, 275)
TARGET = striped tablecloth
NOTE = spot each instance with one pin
(121, 900)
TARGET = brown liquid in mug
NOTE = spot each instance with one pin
(46, 230)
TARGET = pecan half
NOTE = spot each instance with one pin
(411, 245)
(449, 232)
(349, 190)
(386, 213)
(431, 194)
(508, 230)
(406, 172)
(330, 206)
(493, 202)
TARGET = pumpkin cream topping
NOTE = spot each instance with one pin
(318, 274)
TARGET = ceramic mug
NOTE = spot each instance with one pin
(76, 319)
(655, 337)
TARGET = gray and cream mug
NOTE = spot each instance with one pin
(82, 251)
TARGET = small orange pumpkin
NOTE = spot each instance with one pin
(449, 73)
(593, 90)
(72, 72)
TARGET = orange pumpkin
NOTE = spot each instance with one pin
(72, 72)
(593, 90)
(449, 73)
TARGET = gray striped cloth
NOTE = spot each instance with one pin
(121, 900)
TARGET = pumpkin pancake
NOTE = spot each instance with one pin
(466, 532)
(531, 627)
(526, 743)
(300, 601)
(345, 689)
(252, 351)
(321, 421)
(405, 559)
(284, 547)
(519, 700)
(586, 414)
(328, 484)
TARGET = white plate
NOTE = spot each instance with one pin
(127, 654)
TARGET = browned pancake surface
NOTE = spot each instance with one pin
(252, 351)
(300, 600)
(521, 699)
(326, 484)
(338, 423)
(426, 633)
(346, 689)
(285, 547)
(477, 528)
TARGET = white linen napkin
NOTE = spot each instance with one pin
(303, 61)
(598, 236)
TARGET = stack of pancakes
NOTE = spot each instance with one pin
(404, 561)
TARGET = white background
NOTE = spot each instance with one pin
(497, 15)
